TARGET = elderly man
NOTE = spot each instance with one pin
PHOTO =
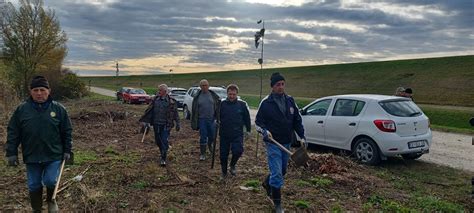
(278, 117)
(162, 113)
(43, 128)
(234, 115)
(205, 113)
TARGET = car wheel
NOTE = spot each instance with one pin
(411, 156)
(186, 113)
(366, 151)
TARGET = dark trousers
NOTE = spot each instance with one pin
(236, 145)
(161, 139)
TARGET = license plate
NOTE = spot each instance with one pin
(416, 144)
(141, 99)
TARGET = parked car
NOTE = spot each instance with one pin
(192, 92)
(120, 92)
(138, 96)
(373, 127)
(178, 94)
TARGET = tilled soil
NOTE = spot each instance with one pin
(122, 173)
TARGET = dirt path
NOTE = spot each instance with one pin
(450, 149)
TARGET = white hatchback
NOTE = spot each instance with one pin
(373, 127)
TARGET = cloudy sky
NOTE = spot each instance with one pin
(149, 37)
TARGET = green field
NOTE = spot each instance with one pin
(440, 81)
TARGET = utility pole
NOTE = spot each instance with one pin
(259, 35)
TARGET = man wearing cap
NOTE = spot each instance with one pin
(162, 114)
(278, 117)
(409, 93)
(400, 92)
(43, 128)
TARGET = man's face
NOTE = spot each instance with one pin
(204, 86)
(162, 92)
(279, 87)
(232, 95)
(40, 94)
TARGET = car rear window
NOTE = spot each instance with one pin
(178, 92)
(401, 108)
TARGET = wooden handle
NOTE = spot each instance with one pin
(144, 133)
(59, 179)
(281, 146)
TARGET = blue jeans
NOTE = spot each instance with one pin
(236, 145)
(42, 173)
(277, 163)
(207, 131)
(161, 139)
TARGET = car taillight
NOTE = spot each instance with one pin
(385, 125)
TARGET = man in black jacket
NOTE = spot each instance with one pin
(234, 115)
(278, 117)
(43, 128)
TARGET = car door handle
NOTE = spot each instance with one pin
(352, 124)
(320, 122)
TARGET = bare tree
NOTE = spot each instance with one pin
(31, 36)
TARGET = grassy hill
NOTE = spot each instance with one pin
(441, 81)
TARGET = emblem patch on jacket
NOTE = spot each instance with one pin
(292, 110)
(53, 114)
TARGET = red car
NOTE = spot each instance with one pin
(138, 96)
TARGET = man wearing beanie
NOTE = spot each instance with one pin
(43, 128)
(278, 117)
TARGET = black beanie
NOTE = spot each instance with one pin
(39, 81)
(276, 77)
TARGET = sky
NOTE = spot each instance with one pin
(153, 37)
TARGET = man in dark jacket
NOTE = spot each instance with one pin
(278, 117)
(204, 115)
(162, 113)
(43, 128)
(234, 115)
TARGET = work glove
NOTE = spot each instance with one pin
(13, 160)
(178, 127)
(304, 143)
(266, 135)
(66, 156)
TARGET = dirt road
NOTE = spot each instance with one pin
(450, 149)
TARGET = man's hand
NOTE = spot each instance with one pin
(266, 135)
(13, 160)
(66, 156)
(178, 127)
(304, 143)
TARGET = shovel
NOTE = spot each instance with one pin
(300, 156)
(57, 182)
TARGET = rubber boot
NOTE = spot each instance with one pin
(52, 205)
(266, 186)
(36, 200)
(276, 197)
(203, 153)
(233, 162)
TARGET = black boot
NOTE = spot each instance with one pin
(266, 186)
(276, 196)
(36, 200)
(203, 153)
(209, 145)
(233, 162)
(52, 205)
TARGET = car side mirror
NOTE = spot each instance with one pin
(302, 112)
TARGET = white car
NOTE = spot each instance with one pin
(192, 92)
(178, 94)
(373, 127)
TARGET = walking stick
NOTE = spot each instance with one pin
(57, 182)
(144, 133)
(214, 147)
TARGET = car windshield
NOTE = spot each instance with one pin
(178, 92)
(221, 93)
(401, 108)
(137, 91)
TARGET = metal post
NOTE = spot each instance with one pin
(261, 85)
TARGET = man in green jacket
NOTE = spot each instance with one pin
(43, 128)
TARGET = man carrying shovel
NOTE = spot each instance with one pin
(277, 118)
(43, 128)
(162, 114)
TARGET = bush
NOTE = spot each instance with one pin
(71, 87)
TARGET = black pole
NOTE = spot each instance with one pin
(261, 84)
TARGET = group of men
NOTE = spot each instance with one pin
(43, 128)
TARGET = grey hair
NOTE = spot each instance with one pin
(202, 81)
(164, 86)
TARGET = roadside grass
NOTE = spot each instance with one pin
(98, 97)
(449, 119)
(440, 81)
(427, 187)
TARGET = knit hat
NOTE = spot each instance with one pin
(39, 81)
(276, 77)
